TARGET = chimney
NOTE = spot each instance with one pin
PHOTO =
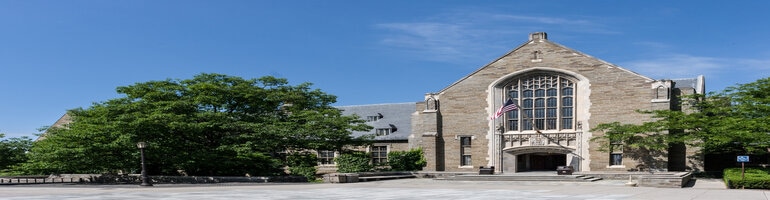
(538, 36)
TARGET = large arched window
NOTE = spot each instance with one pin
(545, 100)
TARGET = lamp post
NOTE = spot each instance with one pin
(145, 179)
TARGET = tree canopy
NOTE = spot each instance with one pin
(212, 124)
(13, 151)
(736, 119)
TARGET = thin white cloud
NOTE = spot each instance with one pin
(544, 20)
(683, 66)
(761, 66)
(468, 37)
(440, 41)
(674, 66)
(653, 45)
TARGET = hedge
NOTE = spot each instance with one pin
(753, 178)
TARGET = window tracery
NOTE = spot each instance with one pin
(545, 101)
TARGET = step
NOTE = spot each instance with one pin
(563, 178)
(387, 177)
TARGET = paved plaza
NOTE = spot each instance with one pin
(391, 189)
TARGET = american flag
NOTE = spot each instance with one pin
(508, 106)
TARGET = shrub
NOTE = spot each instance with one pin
(412, 160)
(256, 164)
(303, 164)
(307, 172)
(353, 162)
(754, 178)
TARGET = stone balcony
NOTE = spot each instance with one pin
(561, 139)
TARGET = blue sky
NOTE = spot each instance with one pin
(60, 55)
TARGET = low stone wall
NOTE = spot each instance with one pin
(135, 179)
(341, 178)
(677, 180)
(646, 179)
(226, 179)
(5, 180)
(365, 176)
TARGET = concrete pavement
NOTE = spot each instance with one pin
(391, 189)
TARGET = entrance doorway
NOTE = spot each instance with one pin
(540, 162)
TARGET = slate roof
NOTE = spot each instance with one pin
(394, 115)
(696, 83)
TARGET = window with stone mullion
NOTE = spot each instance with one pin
(567, 104)
(465, 151)
(326, 157)
(539, 108)
(546, 101)
(379, 155)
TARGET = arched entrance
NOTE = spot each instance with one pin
(537, 158)
(540, 162)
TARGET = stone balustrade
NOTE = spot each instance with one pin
(568, 139)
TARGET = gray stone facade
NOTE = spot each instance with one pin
(603, 93)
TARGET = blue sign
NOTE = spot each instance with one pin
(743, 159)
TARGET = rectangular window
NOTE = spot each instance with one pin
(383, 131)
(566, 123)
(325, 157)
(465, 151)
(513, 118)
(616, 159)
(616, 153)
(379, 155)
(513, 125)
(527, 119)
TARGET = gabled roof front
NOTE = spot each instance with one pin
(396, 116)
(62, 122)
(540, 37)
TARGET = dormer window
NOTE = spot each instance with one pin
(383, 131)
(371, 118)
(374, 117)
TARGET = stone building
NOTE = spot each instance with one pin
(561, 94)
(391, 127)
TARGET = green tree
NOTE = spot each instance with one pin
(736, 119)
(13, 151)
(211, 124)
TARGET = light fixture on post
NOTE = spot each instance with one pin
(145, 178)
